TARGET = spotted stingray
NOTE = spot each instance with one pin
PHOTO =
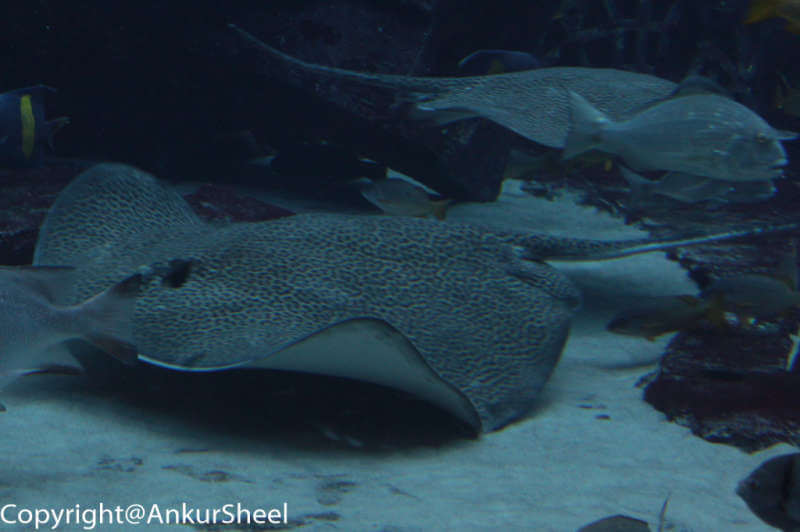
(463, 316)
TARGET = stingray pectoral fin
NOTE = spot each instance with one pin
(373, 351)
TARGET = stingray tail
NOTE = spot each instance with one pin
(415, 88)
(538, 247)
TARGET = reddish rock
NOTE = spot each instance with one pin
(27, 194)
(731, 387)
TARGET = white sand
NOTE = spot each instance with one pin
(557, 470)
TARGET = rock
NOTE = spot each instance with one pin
(731, 387)
(28, 194)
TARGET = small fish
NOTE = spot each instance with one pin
(753, 296)
(23, 128)
(700, 134)
(399, 197)
(747, 296)
(785, 9)
(30, 322)
(772, 491)
(660, 315)
(497, 62)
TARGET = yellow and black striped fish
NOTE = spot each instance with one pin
(23, 127)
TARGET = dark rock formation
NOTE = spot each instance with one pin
(26, 196)
(731, 387)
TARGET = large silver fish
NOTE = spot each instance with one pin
(30, 321)
(688, 188)
(707, 135)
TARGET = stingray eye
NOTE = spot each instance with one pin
(761, 138)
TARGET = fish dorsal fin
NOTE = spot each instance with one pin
(782, 134)
(38, 91)
(696, 84)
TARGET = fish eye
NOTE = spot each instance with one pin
(761, 138)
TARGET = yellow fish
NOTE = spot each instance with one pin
(23, 128)
(766, 9)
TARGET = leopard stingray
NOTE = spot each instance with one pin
(532, 103)
(456, 314)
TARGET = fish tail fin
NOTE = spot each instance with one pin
(109, 317)
(54, 126)
(762, 10)
(586, 126)
(440, 208)
(640, 187)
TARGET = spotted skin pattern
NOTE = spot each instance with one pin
(481, 309)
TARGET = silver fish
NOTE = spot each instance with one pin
(679, 186)
(700, 134)
(688, 188)
(30, 322)
(772, 491)
(398, 197)
(753, 295)
(655, 316)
